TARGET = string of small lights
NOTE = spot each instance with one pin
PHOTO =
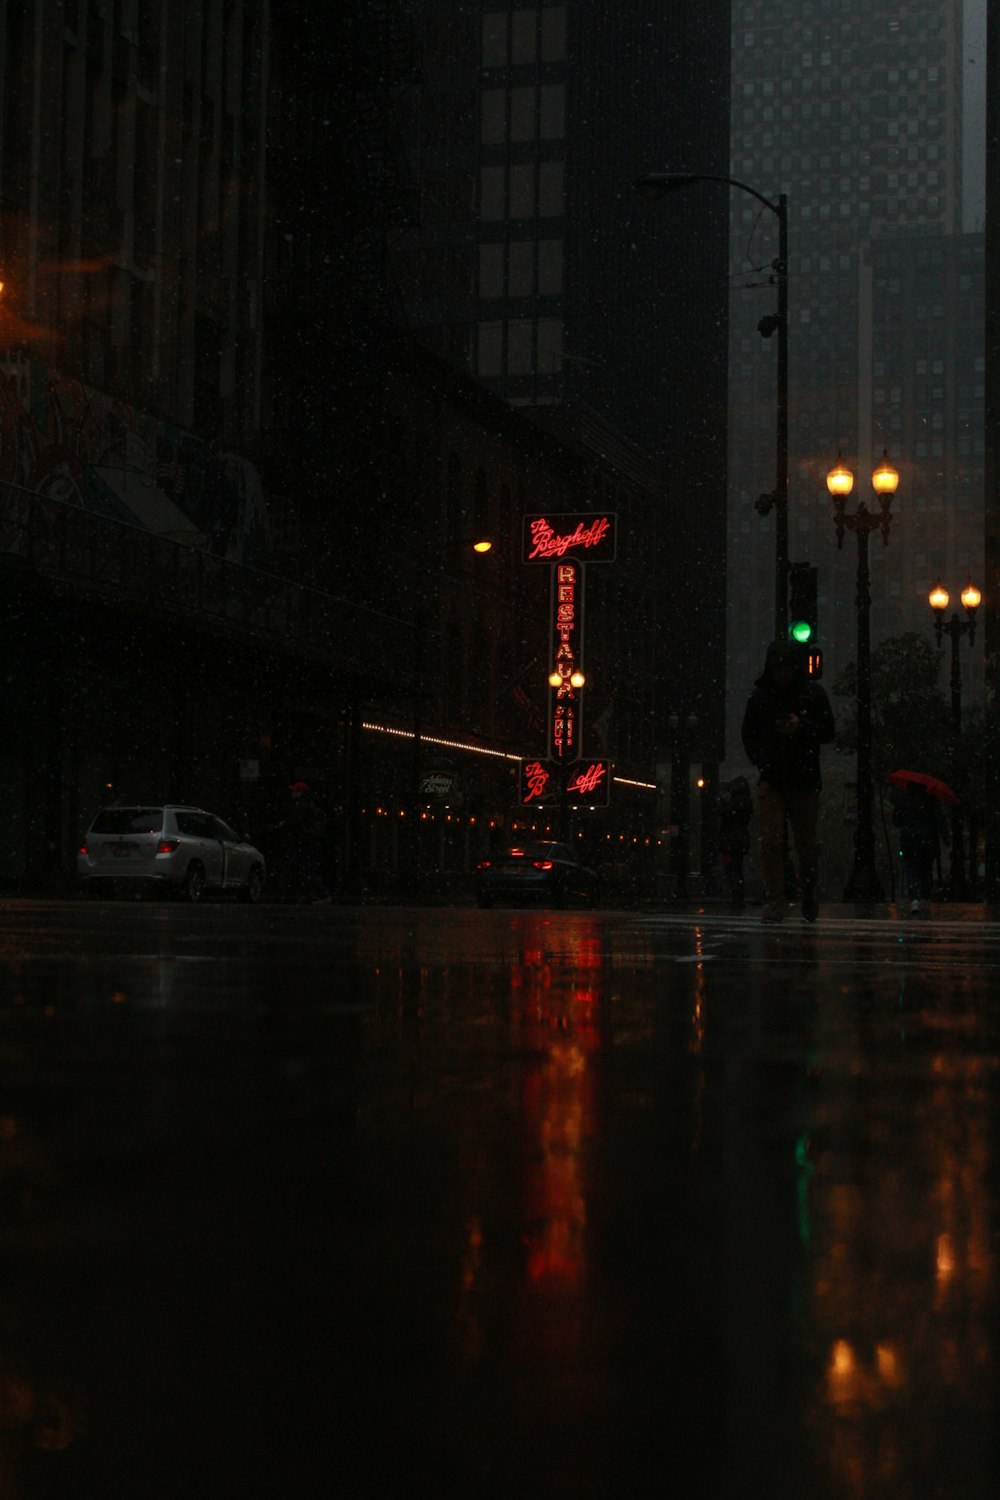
(434, 739)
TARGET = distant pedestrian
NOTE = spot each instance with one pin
(735, 808)
(305, 838)
(788, 717)
(922, 827)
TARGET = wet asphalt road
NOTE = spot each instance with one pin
(392, 1203)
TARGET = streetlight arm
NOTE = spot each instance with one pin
(659, 184)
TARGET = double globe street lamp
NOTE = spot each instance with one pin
(955, 628)
(863, 883)
(659, 185)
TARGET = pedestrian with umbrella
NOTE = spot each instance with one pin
(918, 815)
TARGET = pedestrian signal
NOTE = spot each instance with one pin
(814, 662)
(803, 613)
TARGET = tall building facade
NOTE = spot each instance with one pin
(536, 267)
(857, 116)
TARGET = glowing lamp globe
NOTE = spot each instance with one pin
(577, 679)
(885, 479)
(938, 598)
(840, 480)
(971, 597)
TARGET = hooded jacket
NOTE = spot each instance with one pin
(789, 762)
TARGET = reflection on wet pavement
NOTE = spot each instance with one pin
(507, 1204)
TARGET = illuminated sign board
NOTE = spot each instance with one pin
(539, 779)
(588, 782)
(549, 539)
(567, 649)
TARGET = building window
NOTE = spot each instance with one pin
(523, 36)
(522, 114)
(519, 332)
(549, 346)
(519, 268)
(554, 33)
(553, 114)
(491, 193)
(550, 189)
(522, 190)
(495, 39)
(493, 129)
(550, 268)
(491, 270)
(489, 355)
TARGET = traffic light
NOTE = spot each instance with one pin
(803, 621)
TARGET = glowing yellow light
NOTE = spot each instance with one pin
(885, 478)
(577, 679)
(840, 480)
(938, 597)
(971, 597)
(555, 679)
(482, 546)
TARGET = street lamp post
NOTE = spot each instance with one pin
(863, 883)
(658, 185)
(955, 628)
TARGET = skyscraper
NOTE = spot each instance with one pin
(857, 116)
(536, 267)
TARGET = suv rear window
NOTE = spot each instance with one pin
(128, 820)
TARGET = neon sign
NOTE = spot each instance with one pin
(549, 538)
(588, 780)
(567, 632)
(535, 778)
(586, 783)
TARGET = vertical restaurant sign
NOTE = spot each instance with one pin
(567, 652)
(591, 537)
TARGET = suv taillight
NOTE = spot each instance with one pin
(168, 846)
(84, 849)
(542, 864)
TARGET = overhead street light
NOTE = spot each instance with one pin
(657, 185)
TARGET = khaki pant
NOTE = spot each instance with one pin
(802, 811)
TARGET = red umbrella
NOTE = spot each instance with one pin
(939, 789)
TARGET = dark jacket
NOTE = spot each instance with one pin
(305, 826)
(787, 760)
(919, 818)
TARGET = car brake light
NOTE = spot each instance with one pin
(168, 846)
(84, 849)
(485, 864)
(542, 864)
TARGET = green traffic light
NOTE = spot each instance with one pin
(801, 631)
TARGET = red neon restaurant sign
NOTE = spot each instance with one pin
(592, 538)
(567, 641)
(589, 782)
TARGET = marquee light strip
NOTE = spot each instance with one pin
(433, 739)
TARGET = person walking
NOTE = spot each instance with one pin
(922, 826)
(735, 807)
(305, 831)
(787, 718)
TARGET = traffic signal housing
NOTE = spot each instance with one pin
(803, 614)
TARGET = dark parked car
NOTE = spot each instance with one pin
(544, 872)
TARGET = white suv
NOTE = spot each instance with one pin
(181, 849)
